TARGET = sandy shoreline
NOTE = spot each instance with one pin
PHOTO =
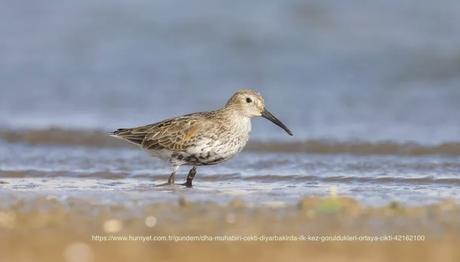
(332, 229)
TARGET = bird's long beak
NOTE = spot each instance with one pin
(267, 115)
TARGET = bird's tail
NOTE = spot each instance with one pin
(129, 134)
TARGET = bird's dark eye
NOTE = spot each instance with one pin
(248, 100)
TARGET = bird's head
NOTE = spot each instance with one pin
(250, 103)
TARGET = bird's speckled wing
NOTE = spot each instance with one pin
(175, 134)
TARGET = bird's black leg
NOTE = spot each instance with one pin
(172, 178)
(190, 177)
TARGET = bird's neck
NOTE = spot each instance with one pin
(239, 122)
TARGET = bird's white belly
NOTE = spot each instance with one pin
(210, 153)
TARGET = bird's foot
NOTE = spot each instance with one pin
(188, 181)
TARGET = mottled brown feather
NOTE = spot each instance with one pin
(135, 135)
(174, 134)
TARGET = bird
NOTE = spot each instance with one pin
(203, 138)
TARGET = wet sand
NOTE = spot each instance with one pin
(326, 229)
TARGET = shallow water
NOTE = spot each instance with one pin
(116, 175)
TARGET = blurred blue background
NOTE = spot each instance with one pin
(341, 70)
